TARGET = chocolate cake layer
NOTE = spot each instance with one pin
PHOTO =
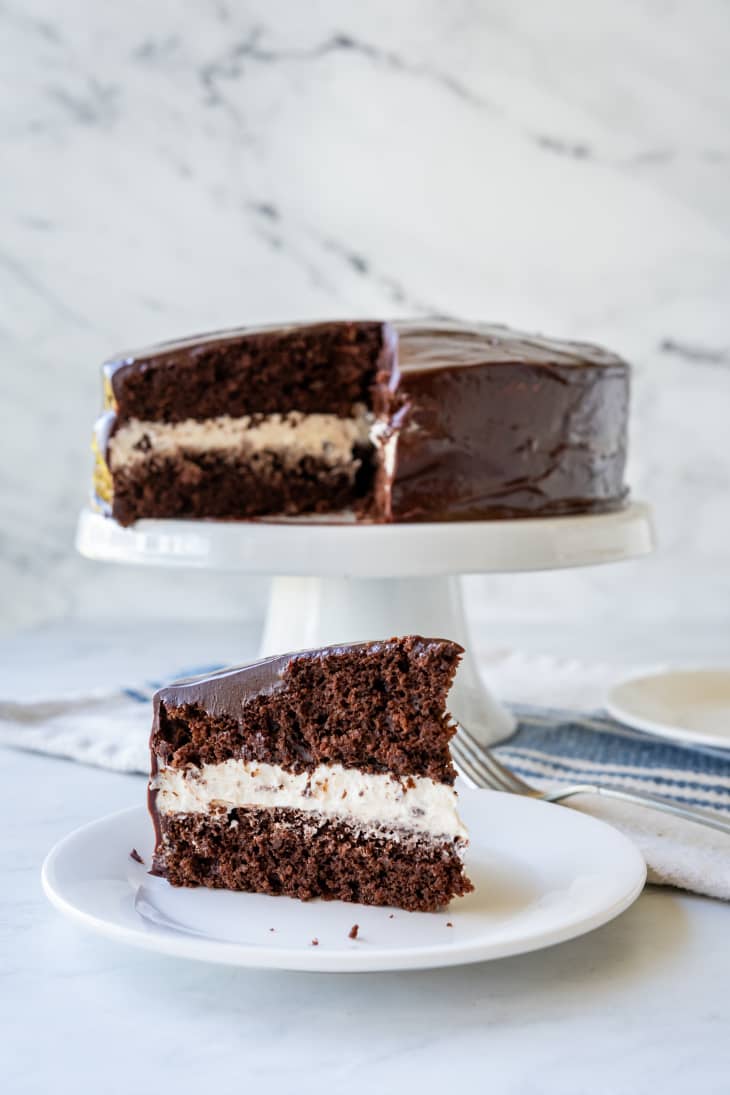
(321, 367)
(214, 485)
(283, 852)
(378, 707)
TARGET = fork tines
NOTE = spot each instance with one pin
(479, 765)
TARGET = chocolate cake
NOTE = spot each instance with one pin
(325, 773)
(406, 421)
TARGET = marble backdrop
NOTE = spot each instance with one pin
(170, 168)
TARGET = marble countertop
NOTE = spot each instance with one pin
(639, 1005)
(179, 168)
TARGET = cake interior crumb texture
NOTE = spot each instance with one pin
(267, 422)
(407, 421)
(323, 774)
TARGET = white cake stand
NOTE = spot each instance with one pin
(346, 582)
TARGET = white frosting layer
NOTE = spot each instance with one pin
(290, 436)
(371, 800)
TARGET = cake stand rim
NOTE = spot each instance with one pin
(328, 549)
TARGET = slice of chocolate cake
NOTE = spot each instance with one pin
(428, 420)
(325, 773)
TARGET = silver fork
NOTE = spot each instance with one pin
(482, 769)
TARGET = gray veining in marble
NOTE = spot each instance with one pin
(174, 168)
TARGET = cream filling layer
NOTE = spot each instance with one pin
(289, 436)
(371, 800)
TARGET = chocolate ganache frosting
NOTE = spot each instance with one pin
(485, 422)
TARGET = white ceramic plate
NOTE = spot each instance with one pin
(543, 874)
(687, 705)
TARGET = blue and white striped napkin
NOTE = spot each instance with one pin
(560, 746)
(551, 745)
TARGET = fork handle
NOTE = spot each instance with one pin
(698, 816)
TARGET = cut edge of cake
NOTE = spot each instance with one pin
(243, 423)
(322, 773)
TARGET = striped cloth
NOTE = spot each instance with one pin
(553, 746)
(557, 746)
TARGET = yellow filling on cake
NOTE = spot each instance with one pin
(110, 403)
(102, 477)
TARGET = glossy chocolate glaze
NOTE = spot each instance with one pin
(487, 423)
(425, 345)
(226, 690)
(221, 692)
